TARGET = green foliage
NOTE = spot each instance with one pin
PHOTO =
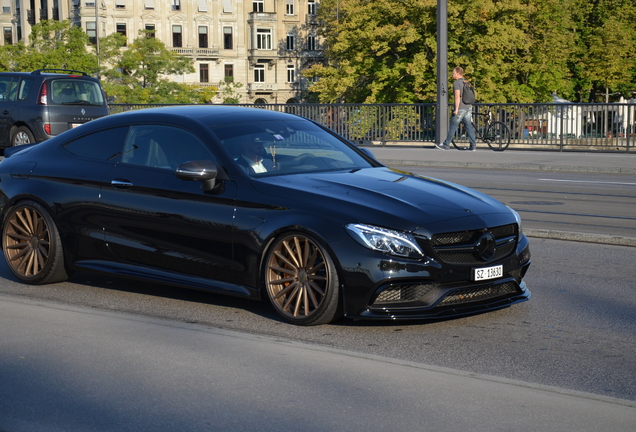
(140, 72)
(229, 91)
(52, 45)
(512, 50)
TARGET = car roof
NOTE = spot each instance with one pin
(208, 114)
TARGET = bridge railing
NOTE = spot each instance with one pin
(551, 126)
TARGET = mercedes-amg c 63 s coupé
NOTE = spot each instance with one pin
(256, 204)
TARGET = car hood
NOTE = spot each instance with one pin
(387, 197)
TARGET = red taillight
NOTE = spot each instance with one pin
(47, 128)
(43, 99)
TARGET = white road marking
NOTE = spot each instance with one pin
(589, 181)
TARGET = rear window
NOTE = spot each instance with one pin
(70, 91)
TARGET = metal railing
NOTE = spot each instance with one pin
(555, 126)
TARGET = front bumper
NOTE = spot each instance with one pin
(405, 290)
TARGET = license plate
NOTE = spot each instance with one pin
(487, 273)
(74, 125)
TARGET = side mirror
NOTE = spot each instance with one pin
(204, 171)
(367, 152)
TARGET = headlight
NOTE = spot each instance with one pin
(518, 218)
(385, 240)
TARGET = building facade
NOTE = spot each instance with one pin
(263, 44)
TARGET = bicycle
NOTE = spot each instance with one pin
(494, 133)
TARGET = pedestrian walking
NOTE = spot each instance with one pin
(464, 99)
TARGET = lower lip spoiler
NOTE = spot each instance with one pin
(441, 313)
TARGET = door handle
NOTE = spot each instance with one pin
(121, 184)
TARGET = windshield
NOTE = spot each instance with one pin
(286, 147)
(76, 92)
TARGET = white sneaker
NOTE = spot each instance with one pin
(441, 146)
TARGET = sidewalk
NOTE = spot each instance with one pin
(593, 162)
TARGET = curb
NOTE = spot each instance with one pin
(513, 167)
(580, 237)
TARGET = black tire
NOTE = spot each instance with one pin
(21, 136)
(497, 136)
(301, 280)
(460, 140)
(32, 246)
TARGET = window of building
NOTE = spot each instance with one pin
(8, 35)
(203, 5)
(6, 6)
(120, 4)
(204, 73)
(121, 29)
(150, 28)
(176, 5)
(311, 43)
(227, 6)
(203, 37)
(229, 71)
(291, 42)
(291, 74)
(289, 7)
(263, 39)
(311, 7)
(91, 31)
(259, 73)
(227, 38)
(258, 5)
(149, 4)
(177, 39)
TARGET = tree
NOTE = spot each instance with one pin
(52, 45)
(229, 90)
(140, 72)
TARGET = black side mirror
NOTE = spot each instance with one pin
(367, 152)
(204, 171)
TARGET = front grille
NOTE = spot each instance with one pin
(404, 294)
(471, 295)
(461, 247)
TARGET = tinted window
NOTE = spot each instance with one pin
(162, 147)
(290, 146)
(71, 91)
(104, 145)
(24, 88)
(5, 84)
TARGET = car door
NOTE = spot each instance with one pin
(6, 108)
(153, 219)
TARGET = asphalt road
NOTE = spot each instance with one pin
(98, 353)
(597, 204)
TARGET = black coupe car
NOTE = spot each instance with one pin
(256, 204)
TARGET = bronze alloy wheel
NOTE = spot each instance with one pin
(31, 245)
(301, 281)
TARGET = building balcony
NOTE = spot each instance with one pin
(262, 87)
(196, 52)
(260, 17)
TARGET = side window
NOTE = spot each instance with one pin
(104, 146)
(5, 85)
(164, 147)
(26, 84)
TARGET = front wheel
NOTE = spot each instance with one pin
(497, 136)
(21, 136)
(301, 280)
(32, 246)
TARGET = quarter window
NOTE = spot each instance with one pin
(104, 146)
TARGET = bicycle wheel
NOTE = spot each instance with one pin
(460, 140)
(497, 136)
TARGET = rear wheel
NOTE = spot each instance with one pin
(497, 136)
(21, 136)
(32, 246)
(301, 280)
(460, 140)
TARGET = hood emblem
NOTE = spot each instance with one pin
(83, 111)
(486, 246)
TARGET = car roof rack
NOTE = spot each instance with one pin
(68, 71)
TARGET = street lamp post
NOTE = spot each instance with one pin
(441, 118)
